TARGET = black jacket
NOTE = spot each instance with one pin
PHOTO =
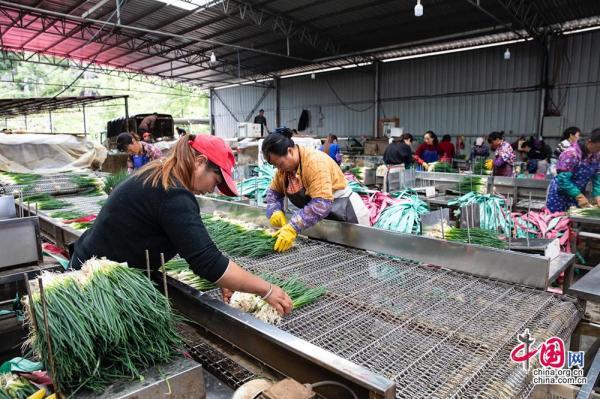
(137, 217)
(397, 154)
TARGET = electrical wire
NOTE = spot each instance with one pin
(333, 383)
(342, 101)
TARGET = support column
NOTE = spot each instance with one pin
(127, 114)
(211, 115)
(50, 117)
(84, 122)
(277, 83)
(376, 100)
(26, 128)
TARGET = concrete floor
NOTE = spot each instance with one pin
(215, 389)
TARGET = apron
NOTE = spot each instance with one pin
(347, 205)
(559, 201)
(430, 156)
(140, 160)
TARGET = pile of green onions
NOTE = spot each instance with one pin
(476, 236)
(585, 212)
(480, 169)
(113, 180)
(14, 387)
(106, 322)
(46, 201)
(67, 215)
(300, 294)
(236, 239)
(90, 186)
(180, 270)
(472, 184)
(22, 179)
(443, 167)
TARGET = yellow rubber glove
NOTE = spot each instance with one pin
(582, 202)
(489, 164)
(278, 219)
(285, 238)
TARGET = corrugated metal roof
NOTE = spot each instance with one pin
(316, 29)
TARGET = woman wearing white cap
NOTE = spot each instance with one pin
(156, 209)
(480, 149)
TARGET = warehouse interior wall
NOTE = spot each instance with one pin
(470, 93)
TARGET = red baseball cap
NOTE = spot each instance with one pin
(219, 153)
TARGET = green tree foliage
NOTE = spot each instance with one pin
(26, 79)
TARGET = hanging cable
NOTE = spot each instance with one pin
(342, 101)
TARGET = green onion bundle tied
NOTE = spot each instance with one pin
(238, 240)
(106, 322)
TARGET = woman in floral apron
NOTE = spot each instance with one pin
(576, 167)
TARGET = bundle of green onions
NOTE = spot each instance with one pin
(480, 167)
(237, 239)
(404, 216)
(67, 215)
(585, 212)
(493, 211)
(472, 184)
(46, 201)
(476, 236)
(443, 167)
(106, 322)
(15, 387)
(113, 180)
(180, 270)
(22, 179)
(256, 187)
(90, 186)
(357, 172)
(300, 294)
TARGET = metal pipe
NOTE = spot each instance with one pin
(376, 101)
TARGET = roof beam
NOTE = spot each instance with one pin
(527, 15)
(52, 24)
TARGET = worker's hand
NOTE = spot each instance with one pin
(285, 238)
(280, 301)
(226, 293)
(425, 166)
(597, 201)
(582, 202)
(489, 164)
(278, 219)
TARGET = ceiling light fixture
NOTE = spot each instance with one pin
(213, 58)
(418, 9)
(507, 54)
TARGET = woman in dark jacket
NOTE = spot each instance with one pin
(399, 151)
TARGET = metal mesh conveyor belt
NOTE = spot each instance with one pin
(435, 332)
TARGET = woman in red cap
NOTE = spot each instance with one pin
(156, 210)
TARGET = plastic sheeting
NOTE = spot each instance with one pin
(45, 153)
